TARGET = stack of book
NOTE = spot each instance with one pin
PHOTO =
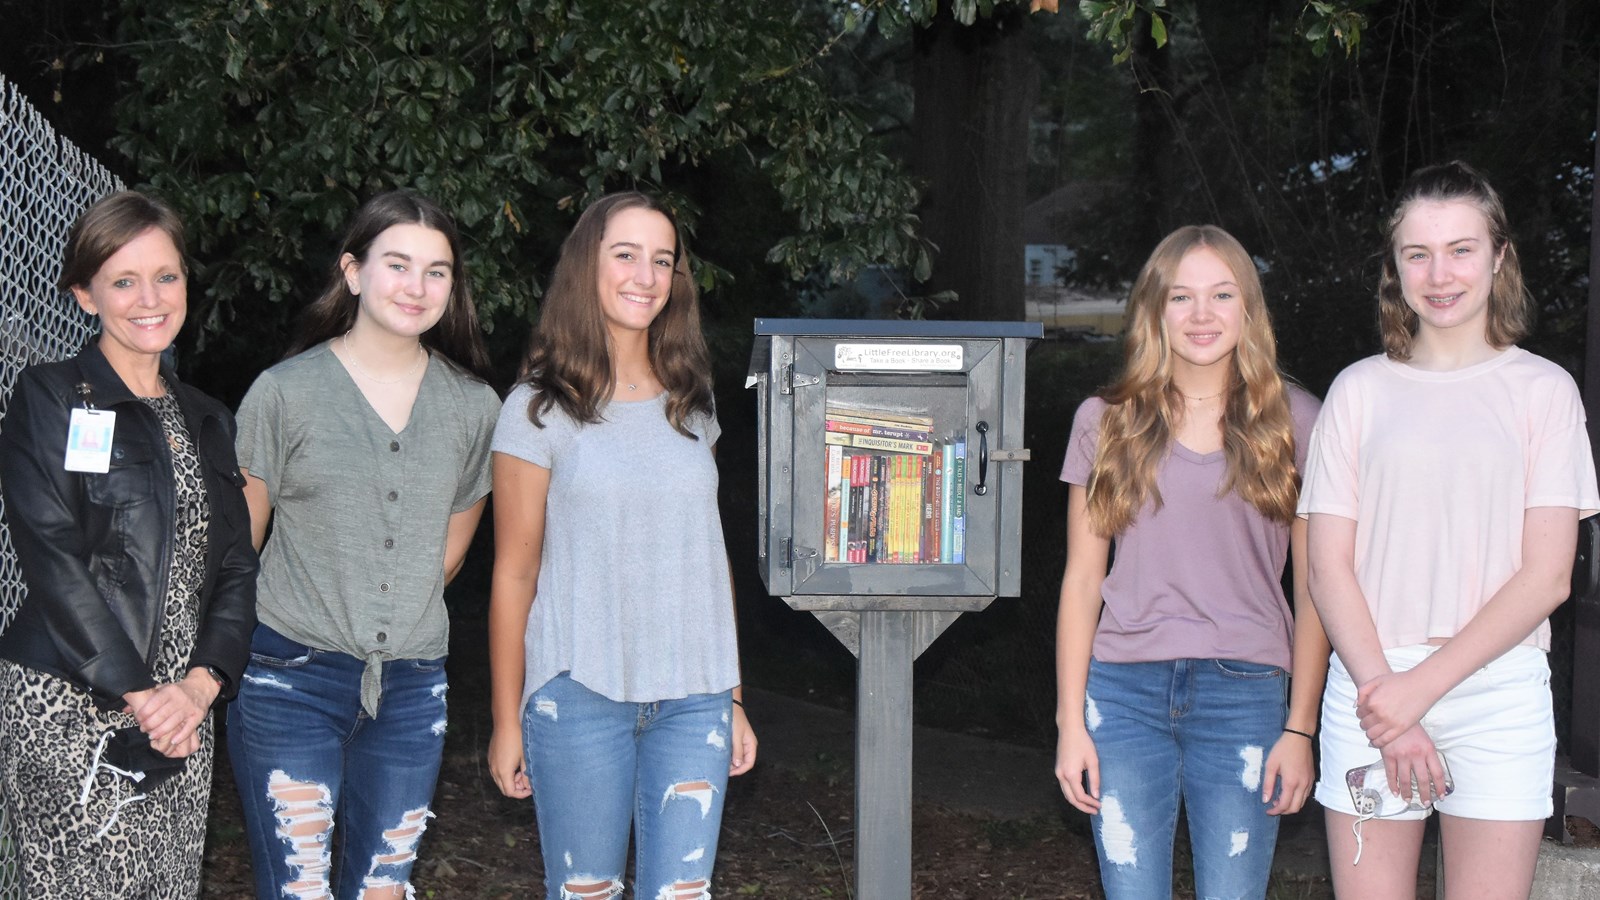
(892, 490)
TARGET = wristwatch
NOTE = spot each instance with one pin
(217, 676)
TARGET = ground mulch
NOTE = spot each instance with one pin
(785, 834)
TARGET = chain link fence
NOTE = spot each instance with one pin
(45, 182)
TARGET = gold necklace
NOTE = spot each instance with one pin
(1201, 399)
(354, 364)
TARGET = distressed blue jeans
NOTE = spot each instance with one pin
(1195, 730)
(306, 756)
(598, 765)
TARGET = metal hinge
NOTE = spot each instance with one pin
(788, 380)
(792, 553)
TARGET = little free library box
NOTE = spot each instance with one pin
(890, 503)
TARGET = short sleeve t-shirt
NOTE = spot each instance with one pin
(1437, 469)
(355, 560)
(1198, 577)
(633, 597)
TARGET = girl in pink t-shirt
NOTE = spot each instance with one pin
(1443, 490)
(1172, 669)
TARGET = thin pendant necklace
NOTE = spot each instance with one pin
(355, 364)
(633, 386)
(1201, 399)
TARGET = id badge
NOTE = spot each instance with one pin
(89, 440)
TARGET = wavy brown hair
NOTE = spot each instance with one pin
(456, 338)
(1510, 305)
(1144, 407)
(568, 362)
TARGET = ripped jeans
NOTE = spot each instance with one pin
(1198, 730)
(598, 764)
(305, 755)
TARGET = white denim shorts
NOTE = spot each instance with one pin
(1495, 729)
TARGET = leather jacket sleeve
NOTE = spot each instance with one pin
(43, 507)
(229, 615)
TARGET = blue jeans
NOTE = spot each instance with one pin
(1195, 729)
(597, 764)
(305, 755)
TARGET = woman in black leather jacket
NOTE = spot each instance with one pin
(123, 501)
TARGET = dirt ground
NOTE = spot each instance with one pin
(786, 833)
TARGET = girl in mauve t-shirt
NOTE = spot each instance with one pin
(1172, 669)
(1443, 490)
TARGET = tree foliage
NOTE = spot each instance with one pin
(267, 121)
(1242, 121)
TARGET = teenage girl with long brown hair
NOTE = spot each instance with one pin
(616, 695)
(367, 452)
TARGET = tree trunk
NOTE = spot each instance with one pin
(1154, 137)
(975, 88)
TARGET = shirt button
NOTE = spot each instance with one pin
(388, 543)
(394, 446)
(394, 495)
(384, 587)
(383, 637)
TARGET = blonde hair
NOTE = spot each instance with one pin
(1511, 307)
(1144, 407)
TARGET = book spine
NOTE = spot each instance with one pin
(935, 503)
(958, 541)
(858, 505)
(842, 485)
(890, 530)
(872, 442)
(911, 507)
(945, 529)
(830, 523)
(874, 507)
(879, 417)
(900, 432)
(925, 509)
(882, 541)
(898, 552)
(888, 445)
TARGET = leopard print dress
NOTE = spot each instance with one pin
(49, 732)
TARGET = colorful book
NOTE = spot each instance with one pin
(948, 505)
(873, 442)
(876, 429)
(858, 506)
(842, 485)
(875, 416)
(958, 518)
(830, 521)
(897, 508)
(887, 495)
(881, 541)
(874, 506)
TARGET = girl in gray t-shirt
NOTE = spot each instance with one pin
(612, 650)
(1171, 669)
